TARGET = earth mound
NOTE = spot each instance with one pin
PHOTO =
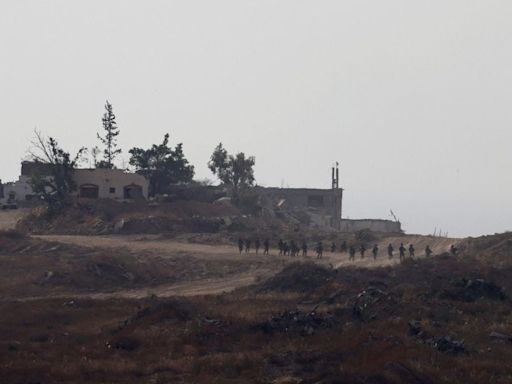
(496, 247)
(299, 277)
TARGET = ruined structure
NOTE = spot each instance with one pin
(320, 208)
(317, 207)
(19, 190)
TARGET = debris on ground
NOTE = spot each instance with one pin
(445, 344)
(305, 323)
(500, 337)
(128, 344)
(164, 311)
(450, 345)
(405, 374)
(287, 380)
(369, 303)
(470, 290)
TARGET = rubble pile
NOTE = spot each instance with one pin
(470, 290)
(298, 322)
(443, 344)
(371, 302)
(163, 311)
(501, 338)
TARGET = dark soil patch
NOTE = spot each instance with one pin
(299, 277)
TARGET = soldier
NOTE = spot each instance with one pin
(390, 250)
(304, 249)
(319, 250)
(362, 250)
(333, 247)
(352, 253)
(428, 251)
(240, 245)
(293, 249)
(257, 245)
(343, 247)
(453, 250)
(375, 251)
(402, 251)
(266, 247)
(247, 245)
(286, 248)
(411, 251)
(280, 245)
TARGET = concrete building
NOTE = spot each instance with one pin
(318, 207)
(91, 184)
(19, 190)
(323, 207)
(110, 184)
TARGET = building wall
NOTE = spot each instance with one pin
(375, 225)
(21, 190)
(31, 168)
(323, 205)
(111, 182)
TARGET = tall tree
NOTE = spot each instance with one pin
(235, 171)
(56, 183)
(162, 166)
(109, 140)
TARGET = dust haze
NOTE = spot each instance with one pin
(267, 192)
(412, 99)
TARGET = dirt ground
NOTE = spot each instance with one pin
(261, 267)
(154, 309)
(9, 217)
(144, 309)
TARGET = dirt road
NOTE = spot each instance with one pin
(272, 264)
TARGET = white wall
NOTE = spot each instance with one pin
(21, 189)
(103, 178)
(376, 225)
(106, 179)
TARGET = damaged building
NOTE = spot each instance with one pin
(317, 207)
(322, 208)
(91, 184)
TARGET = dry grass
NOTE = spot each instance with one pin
(220, 339)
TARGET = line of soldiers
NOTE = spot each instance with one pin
(245, 245)
(293, 249)
(285, 248)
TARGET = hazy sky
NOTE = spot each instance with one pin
(413, 98)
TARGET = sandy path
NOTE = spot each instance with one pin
(189, 288)
(145, 245)
(154, 245)
(438, 245)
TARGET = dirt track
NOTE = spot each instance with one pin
(169, 248)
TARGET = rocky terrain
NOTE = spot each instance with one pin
(187, 308)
